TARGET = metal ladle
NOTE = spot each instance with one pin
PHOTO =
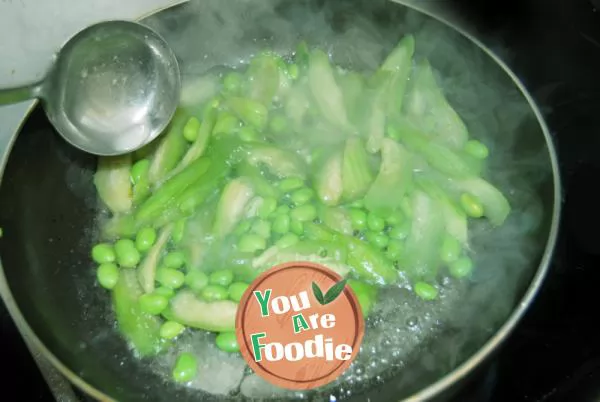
(113, 88)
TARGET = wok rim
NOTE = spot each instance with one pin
(433, 389)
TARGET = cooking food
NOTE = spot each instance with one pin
(373, 174)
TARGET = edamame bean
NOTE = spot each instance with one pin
(262, 228)
(190, 130)
(450, 250)
(196, 280)
(223, 277)
(227, 342)
(107, 275)
(145, 238)
(185, 368)
(281, 224)
(170, 278)
(292, 70)
(236, 291)
(359, 204)
(395, 219)
(243, 227)
(394, 250)
(461, 268)
(139, 170)
(153, 303)
(166, 292)
(291, 183)
(302, 196)
(304, 213)
(471, 205)
(103, 253)
(232, 82)
(214, 293)
(358, 217)
(267, 207)
(287, 240)
(248, 134)
(174, 259)
(226, 123)
(476, 149)
(375, 223)
(400, 232)
(425, 291)
(178, 231)
(251, 242)
(377, 239)
(171, 329)
(282, 210)
(127, 255)
(278, 124)
(296, 227)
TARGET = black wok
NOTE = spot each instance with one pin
(49, 205)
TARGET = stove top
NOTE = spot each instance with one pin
(554, 353)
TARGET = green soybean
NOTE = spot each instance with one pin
(174, 259)
(262, 228)
(375, 223)
(394, 250)
(227, 342)
(476, 149)
(196, 280)
(107, 275)
(471, 205)
(190, 130)
(223, 277)
(103, 253)
(304, 213)
(251, 242)
(214, 293)
(267, 207)
(400, 232)
(166, 292)
(358, 217)
(302, 196)
(287, 240)
(296, 227)
(171, 329)
(278, 124)
(461, 268)
(450, 250)
(377, 239)
(248, 134)
(186, 368)
(291, 183)
(127, 255)
(153, 303)
(293, 71)
(145, 239)
(232, 82)
(281, 224)
(425, 291)
(282, 209)
(243, 227)
(170, 278)
(395, 219)
(139, 170)
(359, 204)
(236, 291)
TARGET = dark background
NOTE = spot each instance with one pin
(554, 354)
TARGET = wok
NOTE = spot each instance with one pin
(49, 206)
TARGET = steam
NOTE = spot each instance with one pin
(421, 341)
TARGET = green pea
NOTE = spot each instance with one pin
(170, 278)
(236, 291)
(243, 227)
(476, 149)
(461, 268)
(394, 250)
(196, 280)
(222, 277)
(302, 196)
(139, 170)
(425, 291)
(282, 210)
(358, 217)
(175, 260)
(145, 238)
(395, 219)
(232, 82)
(248, 134)
(281, 224)
(377, 239)
(262, 228)
(190, 130)
(278, 124)
(178, 231)
(186, 368)
(127, 255)
(171, 329)
(471, 205)
(296, 227)
(450, 250)
(287, 240)
(251, 242)
(227, 342)
(304, 213)
(214, 293)
(166, 292)
(103, 253)
(293, 71)
(291, 183)
(267, 207)
(400, 232)
(107, 275)
(375, 223)
(153, 303)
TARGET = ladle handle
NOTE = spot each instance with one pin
(9, 96)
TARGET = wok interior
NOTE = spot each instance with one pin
(49, 207)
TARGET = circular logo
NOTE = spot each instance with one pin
(299, 326)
